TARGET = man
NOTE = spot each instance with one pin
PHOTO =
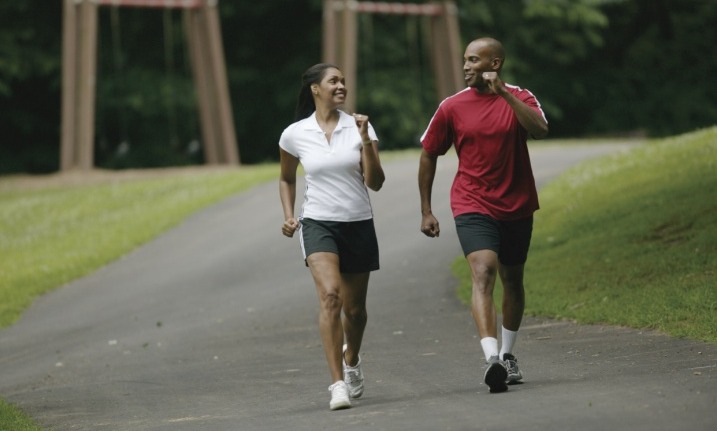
(493, 196)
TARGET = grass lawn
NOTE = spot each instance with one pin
(629, 240)
(12, 419)
(626, 240)
(50, 235)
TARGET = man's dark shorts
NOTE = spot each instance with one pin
(355, 242)
(510, 239)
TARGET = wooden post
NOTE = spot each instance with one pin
(209, 70)
(228, 143)
(86, 85)
(69, 88)
(329, 33)
(79, 68)
(349, 54)
(447, 68)
(445, 47)
(196, 41)
(454, 45)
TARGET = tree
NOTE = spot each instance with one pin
(602, 67)
(29, 85)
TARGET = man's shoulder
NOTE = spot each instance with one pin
(456, 99)
(519, 91)
(463, 94)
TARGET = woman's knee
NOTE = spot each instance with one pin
(356, 315)
(330, 301)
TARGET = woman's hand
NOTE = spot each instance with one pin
(362, 124)
(289, 227)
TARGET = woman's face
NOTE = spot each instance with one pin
(331, 90)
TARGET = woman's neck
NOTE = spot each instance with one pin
(327, 116)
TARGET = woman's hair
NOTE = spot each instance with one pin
(313, 75)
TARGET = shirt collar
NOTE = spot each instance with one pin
(345, 120)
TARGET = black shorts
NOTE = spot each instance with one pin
(510, 239)
(355, 242)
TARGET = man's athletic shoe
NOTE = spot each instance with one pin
(511, 365)
(495, 375)
(339, 396)
(353, 376)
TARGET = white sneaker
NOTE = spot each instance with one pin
(339, 396)
(353, 376)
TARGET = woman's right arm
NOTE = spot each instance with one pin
(287, 191)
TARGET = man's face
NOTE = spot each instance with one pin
(477, 59)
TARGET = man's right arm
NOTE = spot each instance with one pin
(426, 174)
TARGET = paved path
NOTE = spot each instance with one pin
(213, 327)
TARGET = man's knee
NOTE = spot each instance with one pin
(512, 277)
(484, 266)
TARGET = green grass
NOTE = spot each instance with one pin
(630, 240)
(12, 419)
(52, 235)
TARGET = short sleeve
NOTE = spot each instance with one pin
(286, 142)
(372, 132)
(529, 99)
(438, 137)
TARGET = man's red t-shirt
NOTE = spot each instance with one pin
(494, 174)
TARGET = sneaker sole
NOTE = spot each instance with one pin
(514, 380)
(340, 406)
(495, 378)
(356, 394)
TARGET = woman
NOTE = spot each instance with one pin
(339, 155)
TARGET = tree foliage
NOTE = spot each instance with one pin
(599, 67)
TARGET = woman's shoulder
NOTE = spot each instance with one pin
(297, 126)
(344, 116)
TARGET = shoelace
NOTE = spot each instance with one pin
(353, 375)
(339, 388)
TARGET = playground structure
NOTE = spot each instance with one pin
(206, 53)
(79, 62)
(340, 39)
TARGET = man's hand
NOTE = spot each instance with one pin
(429, 226)
(494, 83)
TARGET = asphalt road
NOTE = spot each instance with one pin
(213, 326)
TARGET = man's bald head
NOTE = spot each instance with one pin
(491, 46)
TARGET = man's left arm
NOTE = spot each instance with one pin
(533, 121)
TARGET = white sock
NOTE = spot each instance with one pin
(490, 347)
(508, 341)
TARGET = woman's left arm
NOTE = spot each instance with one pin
(372, 171)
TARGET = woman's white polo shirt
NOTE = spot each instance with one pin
(335, 188)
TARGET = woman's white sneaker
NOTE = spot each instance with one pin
(353, 376)
(339, 396)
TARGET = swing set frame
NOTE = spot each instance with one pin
(340, 40)
(79, 68)
(339, 46)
